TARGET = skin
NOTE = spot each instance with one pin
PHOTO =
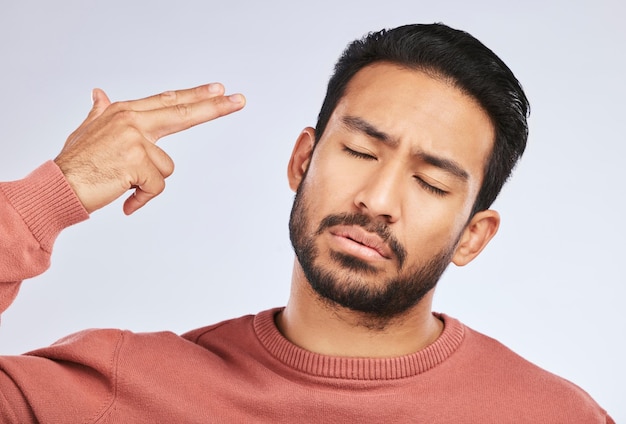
(406, 149)
(115, 149)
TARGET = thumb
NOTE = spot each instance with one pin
(100, 102)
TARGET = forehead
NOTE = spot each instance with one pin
(419, 111)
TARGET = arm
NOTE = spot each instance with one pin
(114, 150)
(33, 211)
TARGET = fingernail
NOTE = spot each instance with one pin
(93, 96)
(215, 88)
(236, 98)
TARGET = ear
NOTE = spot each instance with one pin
(477, 234)
(300, 157)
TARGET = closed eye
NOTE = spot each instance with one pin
(357, 154)
(430, 188)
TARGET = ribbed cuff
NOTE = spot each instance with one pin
(46, 202)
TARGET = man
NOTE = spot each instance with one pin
(420, 128)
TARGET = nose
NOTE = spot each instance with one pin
(380, 195)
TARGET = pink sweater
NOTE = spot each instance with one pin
(244, 370)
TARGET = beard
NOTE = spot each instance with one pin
(379, 302)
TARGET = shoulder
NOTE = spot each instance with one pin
(487, 353)
(493, 367)
(228, 328)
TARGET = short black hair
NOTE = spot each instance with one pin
(461, 59)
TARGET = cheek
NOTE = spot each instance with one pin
(330, 186)
(431, 226)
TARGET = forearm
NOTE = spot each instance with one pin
(33, 211)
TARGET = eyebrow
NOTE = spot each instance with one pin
(360, 125)
(357, 124)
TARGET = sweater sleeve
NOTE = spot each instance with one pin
(33, 211)
(73, 380)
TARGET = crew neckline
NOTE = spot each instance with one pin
(354, 368)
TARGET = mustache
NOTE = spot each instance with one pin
(368, 224)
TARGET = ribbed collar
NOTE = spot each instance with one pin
(357, 368)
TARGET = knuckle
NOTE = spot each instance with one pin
(126, 115)
(135, 153)
(168, 98)
(154, 186)
(168, 169)
(118, 106)
(159, 186)
(183, 110)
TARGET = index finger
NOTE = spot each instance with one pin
(175, 97)
(158, 123)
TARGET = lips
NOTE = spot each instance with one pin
(370, 244)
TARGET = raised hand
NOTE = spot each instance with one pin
(115, 149)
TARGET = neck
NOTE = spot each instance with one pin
(318, 326)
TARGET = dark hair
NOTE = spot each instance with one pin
(460, 58)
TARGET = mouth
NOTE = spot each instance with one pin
(357, 241)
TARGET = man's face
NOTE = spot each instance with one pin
(388, 190)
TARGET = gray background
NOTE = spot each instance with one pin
(215, 244)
